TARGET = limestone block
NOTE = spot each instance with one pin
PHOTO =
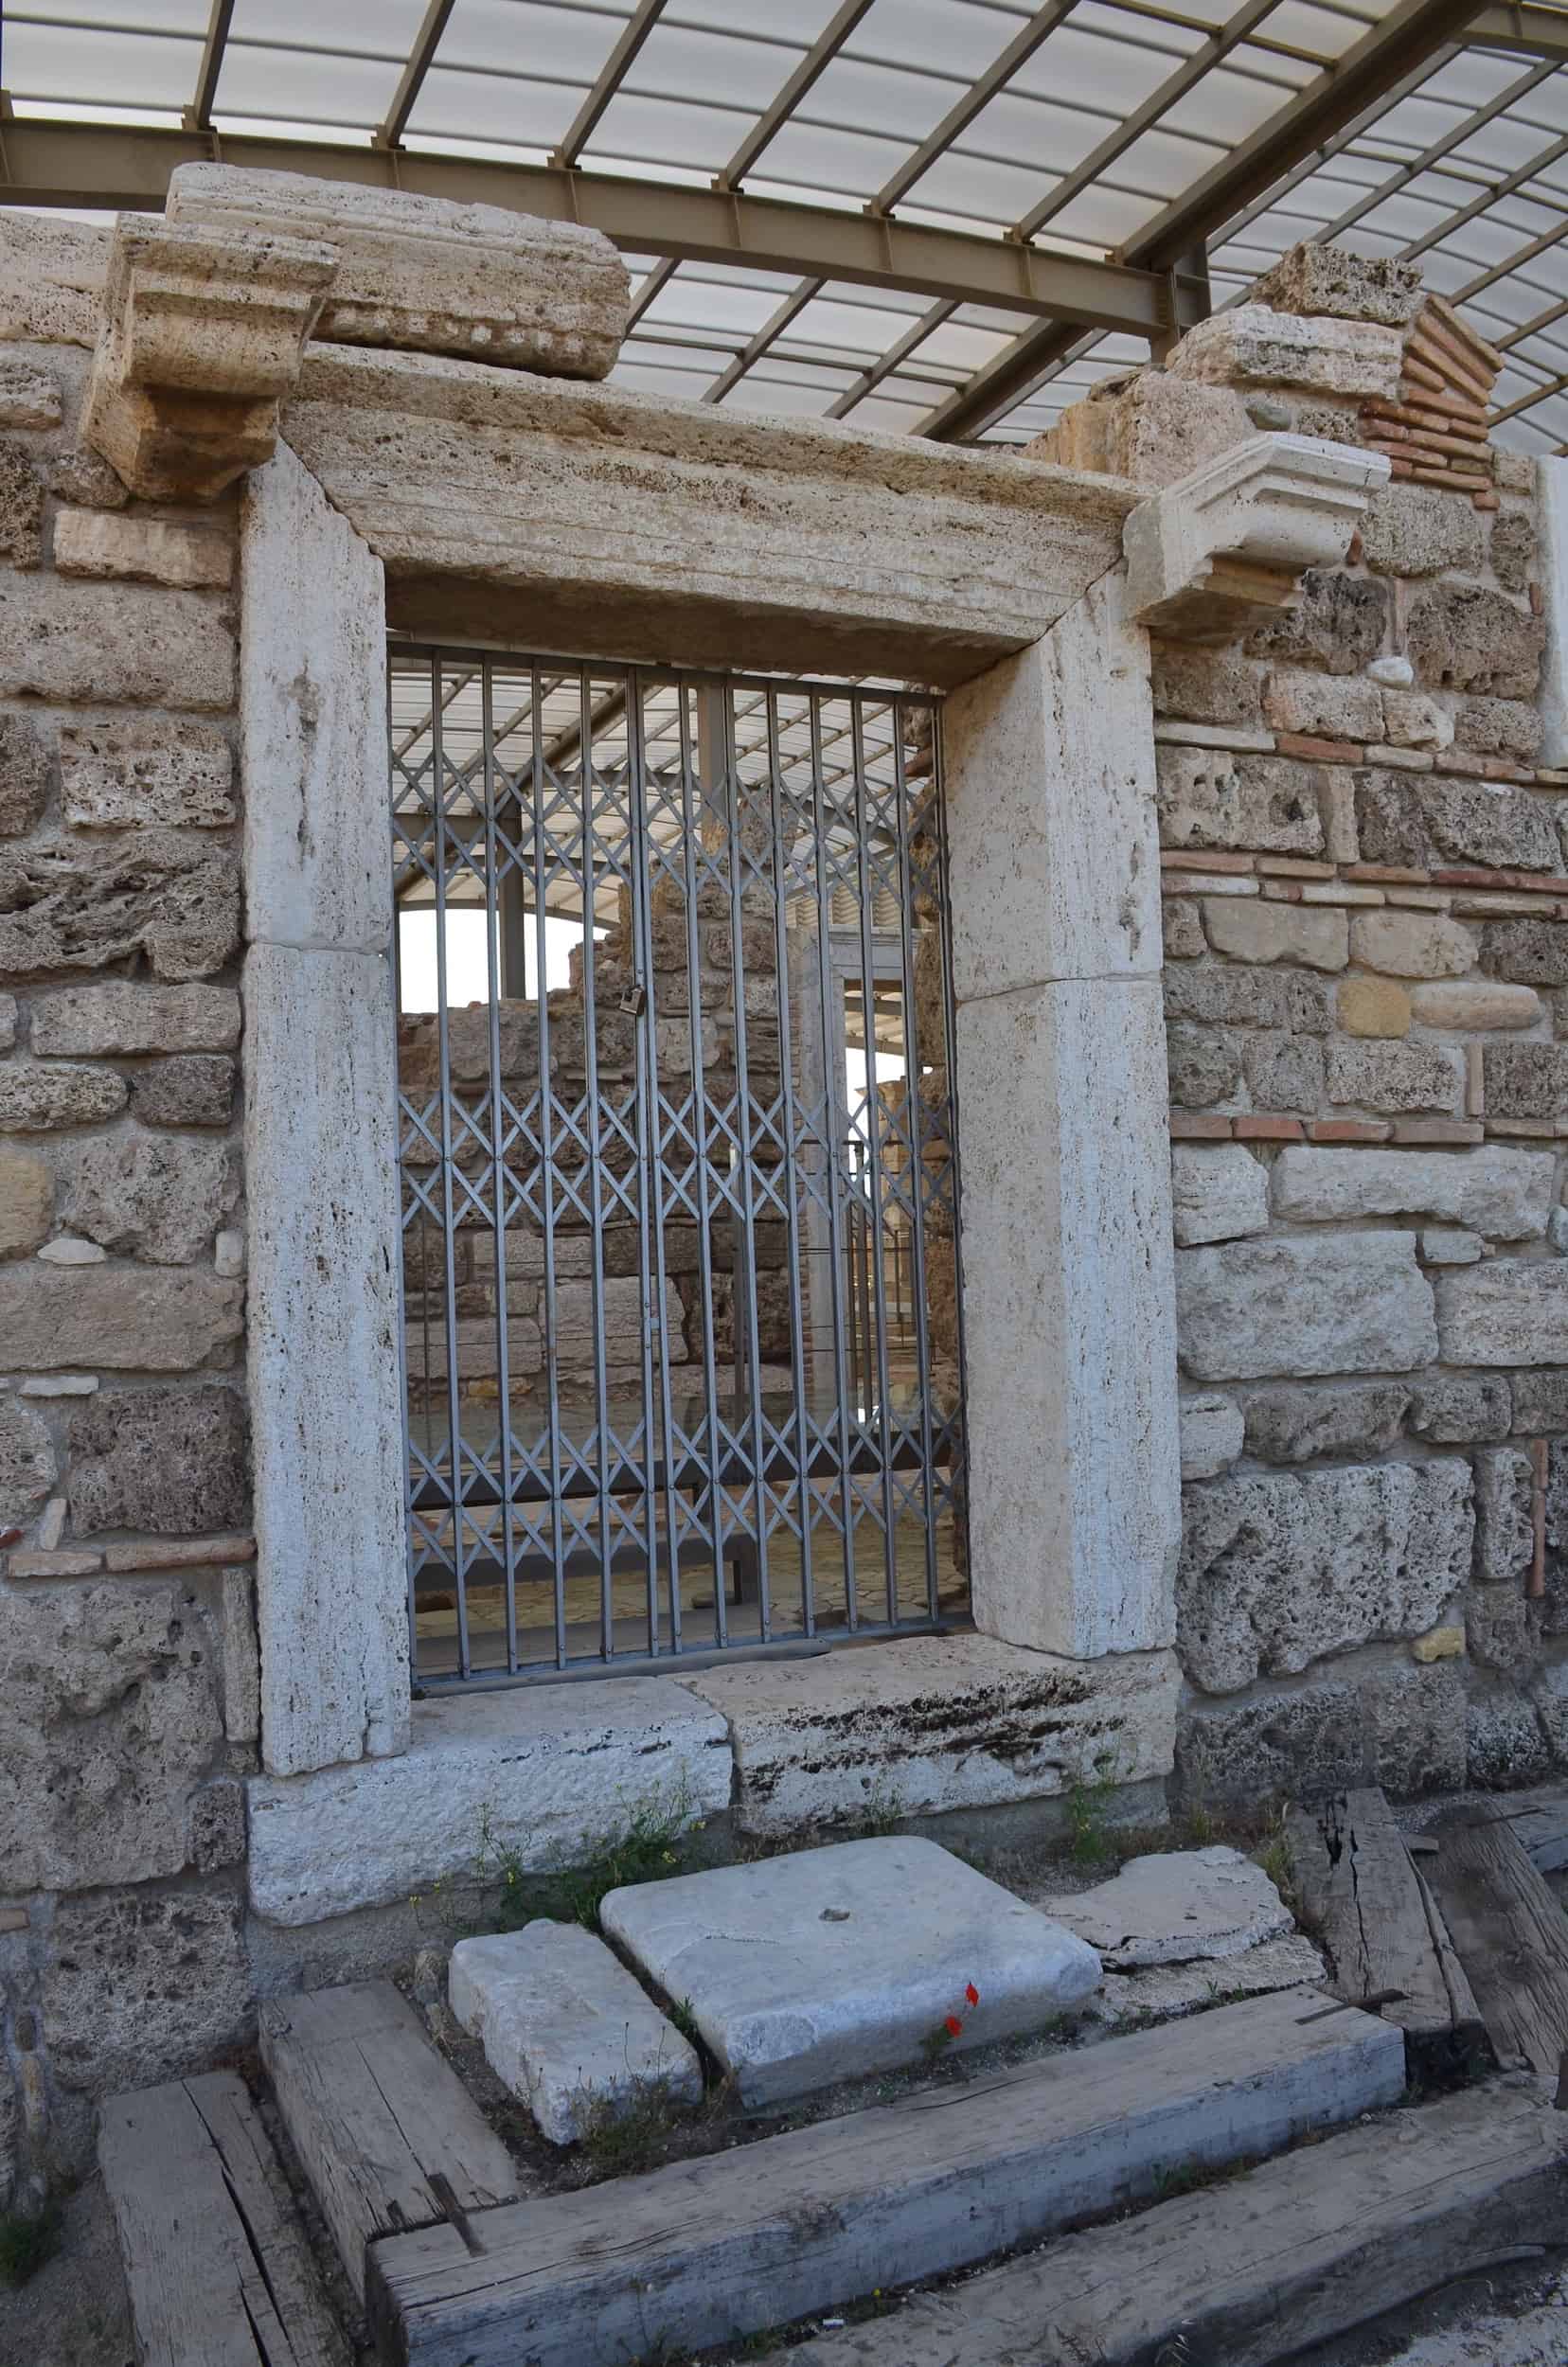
(241, 1658)
(173, 1461)
(193, 1089)
(1415, 530)
(566, 2028)
(1453, 1410)
(118, 1318)
(1210, 797)
(99, 543)
(1474, 1005)
(318, 864)
(1506, 1311)
(1249, 346)
(1223, 997)
(1504, 1525)
(322, 1207)
(1279, 1572)
(1500, 727)
(113, 643)
(426, 274)
(1513, 549)
(1397, 1077)
(1259, 932)
(36, 1095)
(216, 1826)
(1294, 1423)
(51, 281)
(82, 478)
(1526, 1081)
(120, 1017)
(1326, 707)
(1450, 1245)
(202, 334)
(1212, 1433)
(1220, 550)
(1283, 1072)
(28, 1466)
(1403, 1729)
(143, 1984)
(1502, 1193)
(557, 1771)
(1411, 944)
(930, 1723)
(1415, 1720)
(1051, 823)
(27, 1202)
(1508, 1748)
(1433, 824)
(146, 772)
(1373, 1006)
(1203, 1066)
(1318, 277)
(24, 775)
(1176, 1907)
(1180, 930)
(1064, 1371)
(1529, 953)
(1218, 1192)
(1205, 685)
(63, 906)
(1412, 720)
(828, 1963)
(1339, 624)
(156, 1198)
(8, 1021)
(1255, 1311)
(623, 524)
(111, 1719)
(1540, 1402)
(1461, 637)
(21, 509)
(1551, 489)
(1132, 2000)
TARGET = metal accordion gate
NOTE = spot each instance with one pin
(682, 1334)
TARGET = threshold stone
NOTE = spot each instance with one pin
(565, 2027)
(833, 1963)
(1176, 1907)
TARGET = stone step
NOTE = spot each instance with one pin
(386, 2131)
(1296, 2253)
(217, 2266)
(713, 2250)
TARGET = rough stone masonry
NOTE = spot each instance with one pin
(1365, 869)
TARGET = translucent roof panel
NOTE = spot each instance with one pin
(1085, 125)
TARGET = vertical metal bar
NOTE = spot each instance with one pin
(833, 1094)
(949, 1048)
(454, 1427)
(651, 1245)
(498, 1184)
(873, 1141)
(595, 1166)
(786, 1063)
(917, 1144)
(699, 1133)
(547, 1165)
(748, 1169)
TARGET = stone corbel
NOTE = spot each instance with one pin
(202, 338)
(1223, 550)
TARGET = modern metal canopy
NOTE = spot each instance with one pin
(948, 216)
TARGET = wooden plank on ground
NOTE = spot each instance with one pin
(1511, 1935)
(1542, 1830)
(217, 2266)
(1368, 1905)
(708, 2250)
(1283, 2259)
(385, 2129)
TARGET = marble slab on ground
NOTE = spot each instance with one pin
(1176, 1907)
(828, 1964)
(565, 2027)
(1162, 1992)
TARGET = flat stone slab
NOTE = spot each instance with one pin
(1176, 1907)
(808, 1969)
(565, 2027)
(1164, 1992)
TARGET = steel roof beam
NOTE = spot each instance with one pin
(411, 80)
(198, 115)
(61, 162)
(638, 26)
(817, 59)
(1530, 31)
(979, 95)
(754, 348)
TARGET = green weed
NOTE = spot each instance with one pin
(645, 1849)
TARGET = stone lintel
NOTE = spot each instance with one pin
(1219, 551)
(549, 512)
(202, 335)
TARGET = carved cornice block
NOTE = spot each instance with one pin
(1221, 550)
(202, 338)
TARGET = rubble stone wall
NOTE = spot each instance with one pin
(127, 1657)
(1366, 876)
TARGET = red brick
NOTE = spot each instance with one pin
(1486, 501)
(1385, 875)
(1191, 859)
(1198, 1126)
(1268, 1129)
(1350, 1131)
(1438, 1130)
(1293, 868)
(1538, 602)
(1523, 882)
(1318, 751)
